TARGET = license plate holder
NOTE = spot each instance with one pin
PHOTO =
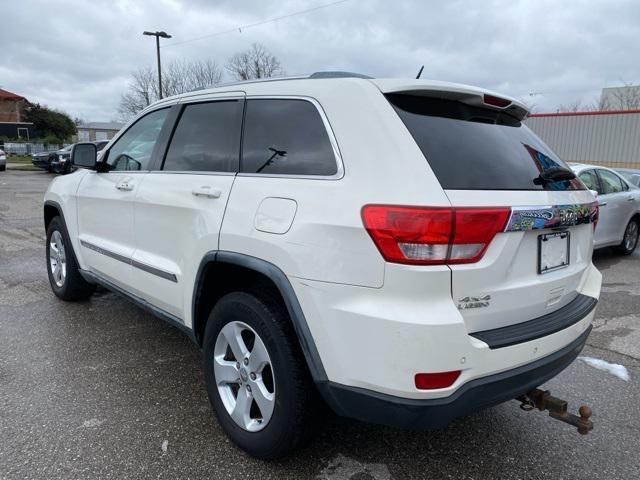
(553, 251)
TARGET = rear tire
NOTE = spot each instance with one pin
(291, 419)
(3, 168)
(630, 238)
(62, 267)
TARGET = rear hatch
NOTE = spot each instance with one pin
(484, 156)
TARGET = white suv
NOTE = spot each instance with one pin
(404, 251)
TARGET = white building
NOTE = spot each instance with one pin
(93, 131)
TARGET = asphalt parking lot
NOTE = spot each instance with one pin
(101, 389)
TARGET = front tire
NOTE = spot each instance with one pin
(256, 376)
(630, 238)
(62, 267)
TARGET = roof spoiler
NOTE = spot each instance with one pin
(460, 93)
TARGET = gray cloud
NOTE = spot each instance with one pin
(77, 56)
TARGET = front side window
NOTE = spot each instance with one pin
(611, 183)
(590, 179)
(132, 151)
(286, 137)
(207, 138)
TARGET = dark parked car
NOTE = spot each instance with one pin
(42, 160)
(60, 160)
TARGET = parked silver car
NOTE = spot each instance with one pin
(619, 200)
(632, 175)
(3, 161)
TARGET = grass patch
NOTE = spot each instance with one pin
(19, 159)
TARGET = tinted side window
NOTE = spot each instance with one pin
(207, 138)
(132, 151)
(590, 179)
(287, 137)
(610, 182)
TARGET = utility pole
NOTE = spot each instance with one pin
(158, 35)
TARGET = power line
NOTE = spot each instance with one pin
(262, 22)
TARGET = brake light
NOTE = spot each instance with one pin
(496, 101)
(431, 381)
(433, 235)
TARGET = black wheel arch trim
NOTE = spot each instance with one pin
(56, 205)
(283, 284)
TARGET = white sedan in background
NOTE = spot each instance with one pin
(619, 200)
(3, 161)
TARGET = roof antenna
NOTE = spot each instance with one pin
(420, 72)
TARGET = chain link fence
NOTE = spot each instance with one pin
(28, 148)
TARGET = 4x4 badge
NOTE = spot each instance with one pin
(474, 302)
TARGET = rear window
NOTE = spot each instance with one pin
(472, 148)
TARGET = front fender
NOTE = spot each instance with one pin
(62, 195)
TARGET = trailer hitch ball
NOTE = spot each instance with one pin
(584, 424)
(558, 409)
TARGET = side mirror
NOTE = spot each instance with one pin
(84, 155)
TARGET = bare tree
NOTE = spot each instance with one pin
(178, 76)
(257, 62)
(626, 97)
(575, 106)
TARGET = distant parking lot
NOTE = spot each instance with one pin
(104, 390)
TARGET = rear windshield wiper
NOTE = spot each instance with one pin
(554, 174)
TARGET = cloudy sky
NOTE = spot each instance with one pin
(77, 56)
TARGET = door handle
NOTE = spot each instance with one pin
(124, 186)
(206, 191)
(630, 199)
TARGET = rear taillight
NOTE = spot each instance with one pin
(433, 235)
(594, 213)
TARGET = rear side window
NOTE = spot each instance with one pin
(611, 183)
(286, 137)
(472, 148)
(207, 138)
(590, 180)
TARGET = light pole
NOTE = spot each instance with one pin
(158, 35)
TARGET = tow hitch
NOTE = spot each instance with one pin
(542, 400)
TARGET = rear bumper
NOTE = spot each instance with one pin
(477, 394)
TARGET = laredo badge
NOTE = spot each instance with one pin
(474, 302)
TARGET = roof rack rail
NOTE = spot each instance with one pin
(256, 80)
(338, 74)
(329, 74)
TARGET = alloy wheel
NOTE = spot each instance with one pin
(631, 236)
(244, 376)
(57, 259)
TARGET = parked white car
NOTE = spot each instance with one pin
(406, 251)
(619, 201)
(3, 161)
